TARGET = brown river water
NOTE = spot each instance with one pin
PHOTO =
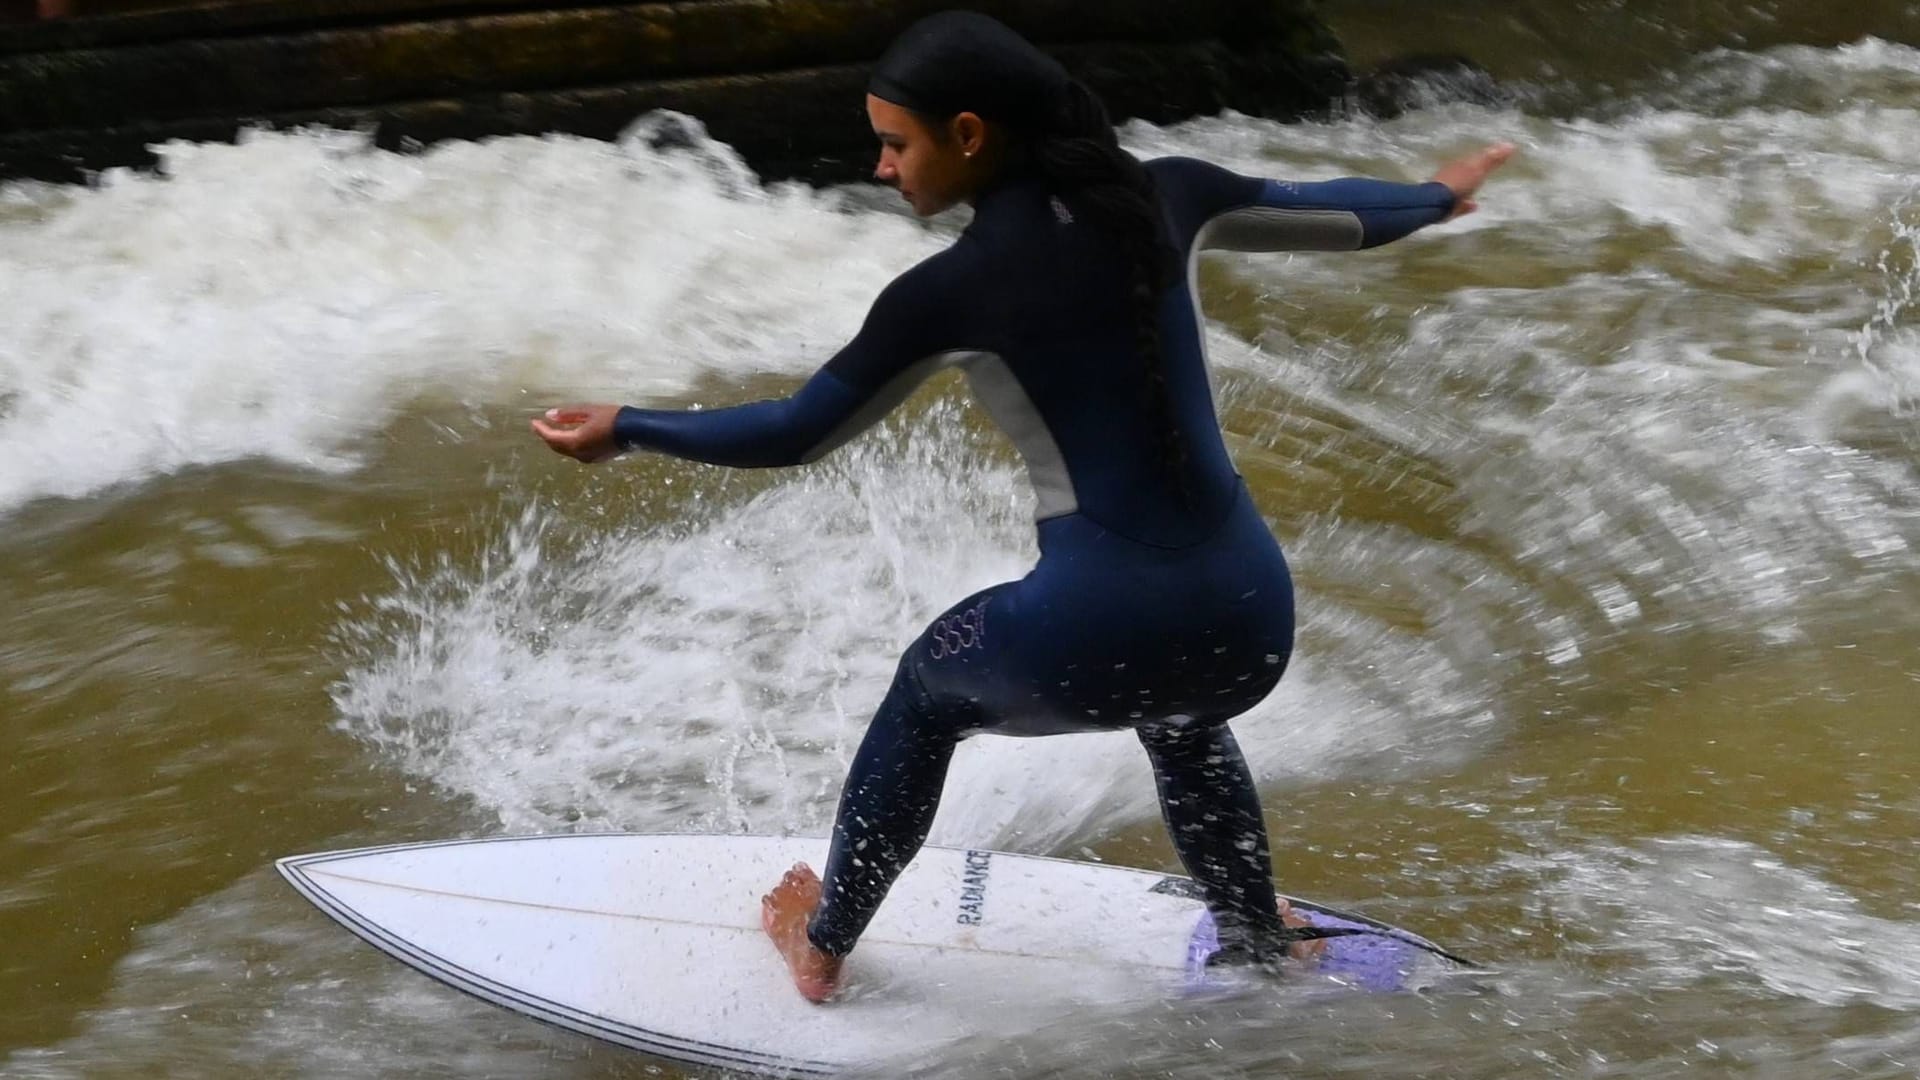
(1602, 504)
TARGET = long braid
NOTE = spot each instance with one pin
(1084, 164)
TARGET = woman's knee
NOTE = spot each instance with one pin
(929, 710)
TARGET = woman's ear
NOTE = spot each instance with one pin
(970, 132)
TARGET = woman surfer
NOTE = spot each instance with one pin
(1160, 603)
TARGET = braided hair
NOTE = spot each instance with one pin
(960, 61)
(1083, 164)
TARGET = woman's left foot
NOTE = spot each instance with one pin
(784, 913)
(1293, 920)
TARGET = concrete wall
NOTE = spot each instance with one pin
(781, 80)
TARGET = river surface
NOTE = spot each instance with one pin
(1602, 502)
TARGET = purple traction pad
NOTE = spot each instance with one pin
(1373, 961)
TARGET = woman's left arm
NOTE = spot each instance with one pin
(1348, 214)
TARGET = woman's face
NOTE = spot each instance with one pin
(934, 167)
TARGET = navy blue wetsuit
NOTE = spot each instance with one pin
(1161, 607)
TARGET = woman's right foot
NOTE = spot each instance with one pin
(784, 913)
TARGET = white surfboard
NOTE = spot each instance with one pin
(654, 941)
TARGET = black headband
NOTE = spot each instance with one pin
(961, 61)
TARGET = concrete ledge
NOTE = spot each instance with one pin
(781, 80)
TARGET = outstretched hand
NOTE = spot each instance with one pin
(581, 432)
(1465, 175)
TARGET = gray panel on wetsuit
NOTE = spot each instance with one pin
(1267, 228)
(883, 401)
(1001, 394)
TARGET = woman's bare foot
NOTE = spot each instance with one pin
(1300, 950)
(784, 913)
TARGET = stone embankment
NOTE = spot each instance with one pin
(780, 80)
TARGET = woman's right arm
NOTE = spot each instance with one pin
(904, 339)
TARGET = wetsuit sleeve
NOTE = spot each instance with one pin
(1244, 213)
(904, 339)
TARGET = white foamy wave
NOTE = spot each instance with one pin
(1805, 77)
(1885, 381)
(288, 297)
(1631, 369)
(1690, 908)
(1760, 186)
(719, 676)
(707, 677)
